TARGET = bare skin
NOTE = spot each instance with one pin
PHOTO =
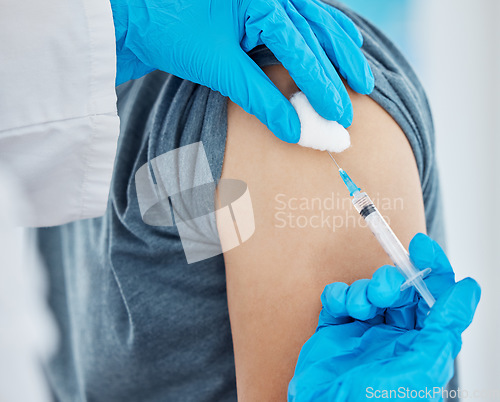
(275, 279)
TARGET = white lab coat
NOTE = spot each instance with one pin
(58, 121)
(28, 332)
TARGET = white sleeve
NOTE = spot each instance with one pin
(29, 331)
(58, 120)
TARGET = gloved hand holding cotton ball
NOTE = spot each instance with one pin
(317, 132)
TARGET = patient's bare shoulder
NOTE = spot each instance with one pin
(307, 232)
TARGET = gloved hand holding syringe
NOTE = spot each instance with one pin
(387, 239)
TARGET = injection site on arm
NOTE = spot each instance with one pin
(324, 135)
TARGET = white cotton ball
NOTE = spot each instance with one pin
(317, 132)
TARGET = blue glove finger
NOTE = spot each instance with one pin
(248, 86)
(344, 21)
(350, 61)
(439, 341)
(342, 301)
(357, 303)
(280, 35)
(333, 299)
(343, 51)
(321, 13)
(384, 289)
(426, 253)
(335, 309)
(312, 41)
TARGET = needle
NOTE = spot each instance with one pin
(333, 159)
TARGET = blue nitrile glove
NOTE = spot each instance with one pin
(205, 41)
(372, 338)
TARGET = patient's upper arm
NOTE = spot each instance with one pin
(307, 232)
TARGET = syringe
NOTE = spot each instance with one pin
(387, 239)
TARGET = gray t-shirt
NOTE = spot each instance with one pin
(138, 323)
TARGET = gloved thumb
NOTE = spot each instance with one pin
(248, 86)
(427, 253)
(449, 317)
(455, 309)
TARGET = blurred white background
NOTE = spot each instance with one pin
(454, 46)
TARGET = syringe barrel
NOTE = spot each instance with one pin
(390, 243)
